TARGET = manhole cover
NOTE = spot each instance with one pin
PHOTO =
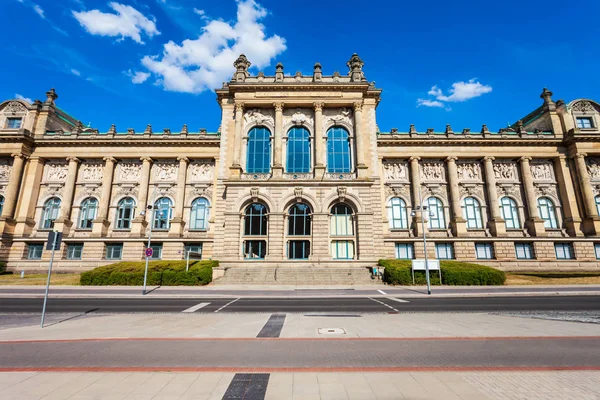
(331, 331)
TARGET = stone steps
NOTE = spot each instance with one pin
(296, 276)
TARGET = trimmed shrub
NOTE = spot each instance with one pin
(398, 272)
(160, 273)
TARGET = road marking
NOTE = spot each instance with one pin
(398, 300)
(382, 303)
(231, 302)
(196, 307)
(382, 292)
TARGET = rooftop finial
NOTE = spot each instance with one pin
(241, 68)
(355, 65)
(51, 96)
(317, 73)
(547, 96)
(279, 72)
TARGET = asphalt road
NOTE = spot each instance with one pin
(303, 305)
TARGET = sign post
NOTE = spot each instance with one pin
(54, 240)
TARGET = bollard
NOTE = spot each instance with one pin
(22, 274)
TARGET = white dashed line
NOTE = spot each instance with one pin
(383, 304)
(231, 302)
(398, 300)
(382, 292)
(196, 307)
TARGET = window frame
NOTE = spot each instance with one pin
(350, 249)
(559, 249)
(339, 150)
(72, 248)
(305, 252)
(530, 250)
(471, 205)
(1, 203)
(408, 248)
(10, 119)
(122, 222)
(189, 247)
(435, 203)
(397, 213)
(84, 213)
(508, 203)
(35, 248)
(484, 251)
(254, 152)
(200, 204)
(298, 136)
(552, 217)
(590, 119)
(157, 249)
(447, 248)
(162, 213)
(112, 247)
(262, 248)
(50, 212)
(262, 216)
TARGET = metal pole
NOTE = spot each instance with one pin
(147, 247)
(425, 245)
(48, 281)
(187, 264)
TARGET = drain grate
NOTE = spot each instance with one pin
(331, 331)
(247, 387)
(272, 328)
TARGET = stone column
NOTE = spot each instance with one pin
(319, 143)
(567, 191)
(497, 224)
(277, 164)
(361, 167)
(415, 181)
(534, 222)
(275, 241)
(63, 223)
(10, 196)
(591, 223)
(177, 223)
(139, 223)
(101, 223)
(236, 168)
(28, 196)
(459, 224)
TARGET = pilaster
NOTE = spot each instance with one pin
(139, 223)
(28, 198)
(177, 223)
(101, 223)
(319, 141)
(236, 168)
(361, 166)
(591, 223)
(567, 194)
(459, 224)
(277, 163)
(12, 190)
(63, 223)
(497, 224)
(534, 222)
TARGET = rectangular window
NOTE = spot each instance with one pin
(156, 251)
(484, 251)
(342, 249)
(597, 250)
(195, 251)
(585, 123)
(13, 123)
(255, 249)
(524, 251)
(74, 251)
(564, 251)
(341, 225)
(34, 251)
(444, 251)
(404, 251)
(298, 249)
(114, 251)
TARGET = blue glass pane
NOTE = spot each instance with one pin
(298, 151)
(338, 150)
(259, 151)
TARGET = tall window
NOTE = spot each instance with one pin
(1, 204)
(299, 227)
(435, 208)
(342, 224)
(298, 150)
(163, 212)
(199, 214)
(472, 213)
(125, 210)
(338, 150)
(547, 212)
(259, 151)
(50, 212)
(509, 212)
(87, 213)
(397, 213)
(255, 224)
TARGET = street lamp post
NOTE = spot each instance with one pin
(423, 209)
(153, 208)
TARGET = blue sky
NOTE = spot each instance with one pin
(464, 63)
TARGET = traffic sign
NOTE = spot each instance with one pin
(149, 252)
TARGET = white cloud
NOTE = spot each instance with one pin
(127, 22)
(39, 11)
(198, 11)
(429, 103)
(21, 97)
(458, 92)
(205, 62)
(137, 77)
(75, 72)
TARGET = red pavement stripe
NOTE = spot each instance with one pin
(300, 369)
(475, 338)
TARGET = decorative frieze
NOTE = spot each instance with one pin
(129, 171)
(469, 171)
(340, 176)
(298, 176)
(199, 171)
(433, 171)
(165, 171)
(395, 170)
(593, 168)
(542, 171)
(505, 171)
(259, 116)
(91, 171)
(5, 168)
(256, 177)
(56, 171)
(338, 115)
(14, 107)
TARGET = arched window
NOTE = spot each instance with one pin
(338, 150)
(547, 212)
(1, 204)
(298, 150)
(397, 213)
(435, 208)
(255, 224)
(299, 227)
(87, 213)
(163, 212)
(509, 212)
(50, 212)
(342, 224)
(199, 214)
(597, 199)
(125, 213)
(472, 213)
(259, 151)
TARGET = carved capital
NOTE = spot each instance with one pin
(278, 107)
(73, 159)
(357, 106)
(183, 159)
(580, 155)
(239, 107)
(451, 159)
(146, 159)
(414, 159)
(488, 158)
(18, 155)
(318, 107)
(525, 159)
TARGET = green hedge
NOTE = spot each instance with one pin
(398, 272)
(160, 273)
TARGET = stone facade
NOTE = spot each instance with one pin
(525, 197)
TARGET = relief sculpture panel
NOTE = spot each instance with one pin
(433, 171)
(165, 171)
(56, 171)
(201, 171)
(542, 171)
(395, 170)
(505, 171)
(4, 170)
(129, 171)
(91, 171)
(469, 171)
(593, 168)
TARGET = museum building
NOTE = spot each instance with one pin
(298, 174)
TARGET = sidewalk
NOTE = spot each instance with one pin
(274, 291)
